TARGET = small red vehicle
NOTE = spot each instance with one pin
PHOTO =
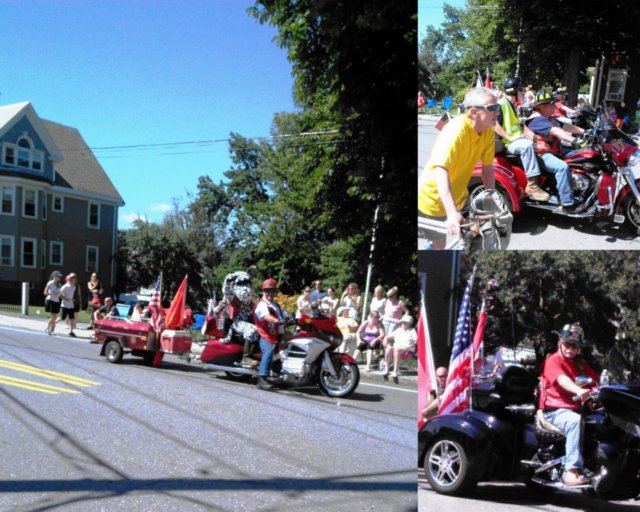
(119, 336)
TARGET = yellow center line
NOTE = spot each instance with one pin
(48, 374)
(34, 386)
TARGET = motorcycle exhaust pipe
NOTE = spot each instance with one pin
(234, 369)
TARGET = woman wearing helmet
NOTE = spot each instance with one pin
(557, 392)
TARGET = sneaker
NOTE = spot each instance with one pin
(573, 477)
(72, 334)
(367, 369)
(534, 191)
(394, 374)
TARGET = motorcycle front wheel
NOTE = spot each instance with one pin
(446, 467)
(631, 212)
(343, 384)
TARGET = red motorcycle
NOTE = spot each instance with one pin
(602, 178)
(305, 356)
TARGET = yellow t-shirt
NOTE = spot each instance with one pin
(458, 148)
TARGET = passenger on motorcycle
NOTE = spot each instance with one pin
(268, 318)
(508, 130)
(557, 392)
(547, 134)
(442, 188)
(562, 112)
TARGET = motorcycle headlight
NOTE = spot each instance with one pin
(634, 159)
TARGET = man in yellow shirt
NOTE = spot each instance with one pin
(468, 138)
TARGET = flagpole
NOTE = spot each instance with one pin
(430, 361)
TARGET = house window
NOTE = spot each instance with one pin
(56, 253)
(29, 252)
(6, 251)
(43, 253)
(93, 220)
(8, 200)
(29, 203)
(92, 258)
(58, 204)
(23, 155)
(44, 206)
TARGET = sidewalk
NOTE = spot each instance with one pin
(38, 323)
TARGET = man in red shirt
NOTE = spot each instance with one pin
(558, 389)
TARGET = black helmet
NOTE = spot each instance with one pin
(573, 333)
(511, 84)
(542, 96)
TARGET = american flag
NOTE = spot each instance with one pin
(455, 397)
(426, 372)
(155, 306)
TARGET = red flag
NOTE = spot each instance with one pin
(478, 342)
(155, 306)
(487, 82)
(426, 372)
(442, 121)
(455, 397)
(175, 313)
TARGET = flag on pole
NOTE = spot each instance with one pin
(426, 371)
(155, 307)
(487, 81)
(478, 342)
(175, 313)
(479, 82)
(455, 397)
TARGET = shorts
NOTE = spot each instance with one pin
(68, 312)
(76, 306)
(51, 306)
(364, 345)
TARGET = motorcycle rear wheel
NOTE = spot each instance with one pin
(446, 467)
(343, 385)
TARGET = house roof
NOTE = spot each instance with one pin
(79, 168)
(11, 114)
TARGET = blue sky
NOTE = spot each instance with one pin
(142, 72)
(430, 13)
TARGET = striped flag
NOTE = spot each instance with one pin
(478, 342)
(155, 306)
(455, 397)
(426, 372)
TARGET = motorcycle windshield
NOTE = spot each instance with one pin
(622, 401)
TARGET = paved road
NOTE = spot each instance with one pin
(100, 436)
(502, 497)
(535, 229)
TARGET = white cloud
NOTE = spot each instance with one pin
(129, 218)
(161, 207)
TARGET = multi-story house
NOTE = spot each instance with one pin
(58, 207)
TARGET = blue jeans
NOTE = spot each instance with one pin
(562, 173)
(570, 423)
(267, 356)
(524, 148)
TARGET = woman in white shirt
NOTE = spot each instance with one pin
(304, 304)
(404, 340)
(52, 300)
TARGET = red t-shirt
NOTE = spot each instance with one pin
(552, 395)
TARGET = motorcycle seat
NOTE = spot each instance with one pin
(546, 431)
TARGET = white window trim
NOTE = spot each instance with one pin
(24, 203)
(97, 249)
(51, 244)
(35, 251)
(31, 152)
(53, 204)
(89, 225)
(13, 199)
(11, 239)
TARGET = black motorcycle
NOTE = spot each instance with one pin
(503, 438)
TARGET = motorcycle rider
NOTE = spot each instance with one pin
(557, 392)
(268, 318)
(547, 133)
(562, 112)
(509, 131)
(442, 188)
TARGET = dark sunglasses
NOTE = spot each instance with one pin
(490, 108)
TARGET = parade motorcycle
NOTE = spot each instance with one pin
(305, 355)
(503, 438)
(602, 178)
